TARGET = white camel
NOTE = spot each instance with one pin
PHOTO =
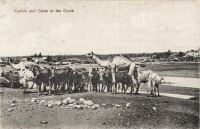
(24, 64)
(26, 76)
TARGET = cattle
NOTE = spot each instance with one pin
(60, 77)
(106, 77)
(153, 84)
(42, 76)
(121, 77)
(12, 77)
(86, 80)
(77, 80)
(81, 80)
(100, 81)
(26, 75)
(143, 77)
(95, 79)
(89, 82)
(152, 78)
(124, 79)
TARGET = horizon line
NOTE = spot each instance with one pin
(94, 53)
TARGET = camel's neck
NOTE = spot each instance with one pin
(103, 63)
(14, 66)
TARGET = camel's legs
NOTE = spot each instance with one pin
(25, 86)
(98, 85)
(12, 85)
(39, 89)
(154, 88)
(149, 87)
(131, 69)
(113, 79)
(137, 87)
(158, 91)
(32, 85)
(90, 86)
(50, 87)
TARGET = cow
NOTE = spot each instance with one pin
(153, 84)
(106, 77)
(12, 77)
(152, 78)
(121, 77)
(143, 77)
(81, 80)
(60, 77)
(95, 79)
(86, 80)
(124, 79)
(89, 85)
(100, 81)
(77, 80)
(42, 76)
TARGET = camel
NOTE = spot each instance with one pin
(25, 76)
(22, 65)
(119, 63)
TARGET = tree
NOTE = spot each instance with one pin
(60, 58)
(180, 54)
(49, 58)
(167, 54)
(35, 55)
(40, 54)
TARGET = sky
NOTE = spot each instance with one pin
(104, 27)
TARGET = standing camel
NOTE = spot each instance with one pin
(119, 63)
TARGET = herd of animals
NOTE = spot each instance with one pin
(109, 76)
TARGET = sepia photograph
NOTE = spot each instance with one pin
(96, 64)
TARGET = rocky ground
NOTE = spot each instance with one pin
(103, 110)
